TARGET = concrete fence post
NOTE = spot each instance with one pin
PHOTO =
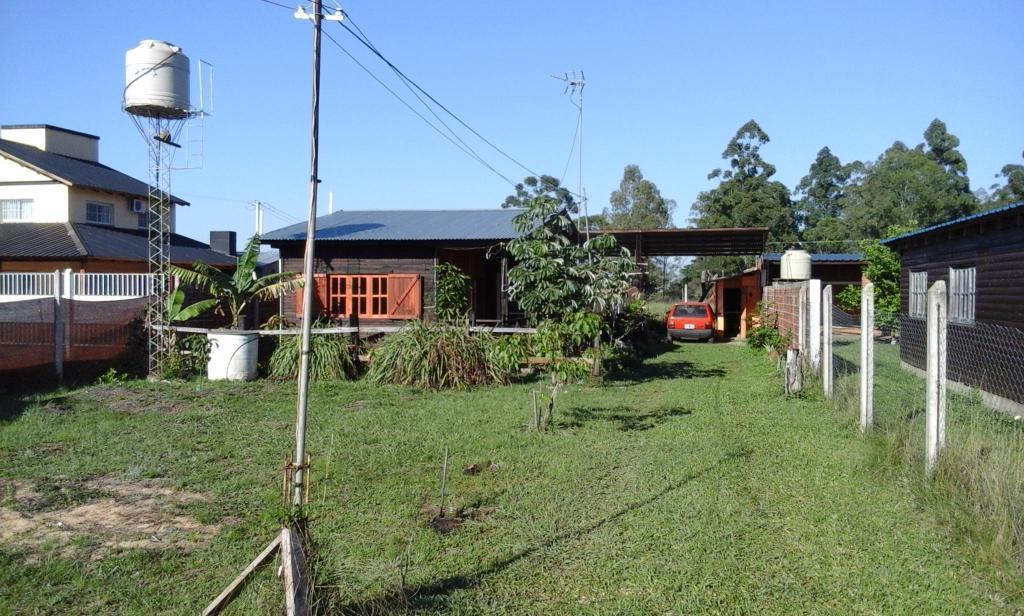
(801, 320)
(58, 325)
(827, 371)
(814, 322)
(867, 356)
(935, 391)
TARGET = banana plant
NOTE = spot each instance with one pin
(231, 293)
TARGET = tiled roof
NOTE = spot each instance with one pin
(77, 172)
(408, 225)
(58, 240)
(986, 214)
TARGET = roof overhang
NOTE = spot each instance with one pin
(691, 242)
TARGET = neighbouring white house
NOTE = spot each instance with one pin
(60, 208)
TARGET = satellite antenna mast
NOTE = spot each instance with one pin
(574, 85)
(157, 98)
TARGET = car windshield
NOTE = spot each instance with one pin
(689, 311)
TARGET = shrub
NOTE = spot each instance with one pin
(506, 353)
(331, 356)
(451, 302)
(188, 357)
(767, 337)
(438, 356)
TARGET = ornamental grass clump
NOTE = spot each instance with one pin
(331, 357)
(437, 356)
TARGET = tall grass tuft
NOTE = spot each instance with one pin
(331, 357)
(437, 356)
(977, 487)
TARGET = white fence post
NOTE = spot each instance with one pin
(58, 325)
(867, 356)
(801, 319)
(814, 322)
(935, 397)
(827, 371)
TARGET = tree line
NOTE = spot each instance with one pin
(833, 207)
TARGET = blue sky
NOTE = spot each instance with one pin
(668, 85)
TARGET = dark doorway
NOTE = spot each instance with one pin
(733, 310)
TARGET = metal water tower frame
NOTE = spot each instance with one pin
(160, 126)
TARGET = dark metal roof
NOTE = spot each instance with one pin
(821, 257)
(51, 127)
(691, 242)
(405, 225)
(59, 240)
(993, 212)
(77, 172)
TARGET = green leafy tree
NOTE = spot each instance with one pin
(232, 292)
(745, 197)
(546, 187)
(881, 267)
(905, 188)
(941, 146)
(555, 275)
(820, 207)
(1012, 188)
(638, 204)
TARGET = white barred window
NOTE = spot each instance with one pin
(962, 282)
(918, 294)
(12, 210)
(101, 213)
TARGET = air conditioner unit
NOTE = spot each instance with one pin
(138, 206)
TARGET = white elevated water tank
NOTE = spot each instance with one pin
(795, 265)
(156, 80)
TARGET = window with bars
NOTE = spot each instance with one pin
(962, 284)
(100, 213)
(367, 296)
(15, 210)
(918, 294)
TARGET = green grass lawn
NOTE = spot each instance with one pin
(691, 486)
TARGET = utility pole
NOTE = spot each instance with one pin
(258, 206)
(298, 486)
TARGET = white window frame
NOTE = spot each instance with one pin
(24, 207)
(962, 291)
(917, 298)
(107, 207)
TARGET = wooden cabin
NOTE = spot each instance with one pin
(981, 259)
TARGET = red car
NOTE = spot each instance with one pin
(690, 321)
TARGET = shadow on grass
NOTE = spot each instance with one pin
(433, 595)
(678, 369)
(12, 406)
(629, 419)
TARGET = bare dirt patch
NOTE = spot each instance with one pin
(100, 516)
(139, 400)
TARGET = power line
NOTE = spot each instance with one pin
(412, 109)
(366, 43)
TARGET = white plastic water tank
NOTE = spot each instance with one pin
(795, 265)
(232, 356)
(156, 80)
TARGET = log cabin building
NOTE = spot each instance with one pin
(981, 259)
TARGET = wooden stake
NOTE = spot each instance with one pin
(296, 583)
(225, 597)
(444, 477)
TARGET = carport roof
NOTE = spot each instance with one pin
(691, 242)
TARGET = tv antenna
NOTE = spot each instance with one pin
(574, 84)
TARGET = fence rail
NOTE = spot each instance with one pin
(26, 284)
(16, 286)
(112, 285)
